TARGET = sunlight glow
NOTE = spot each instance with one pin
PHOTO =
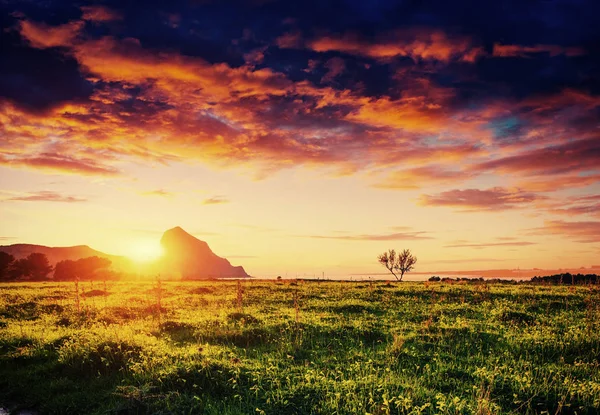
(145, 251)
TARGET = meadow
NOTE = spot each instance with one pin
(300, 347)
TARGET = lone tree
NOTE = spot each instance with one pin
(402, 262)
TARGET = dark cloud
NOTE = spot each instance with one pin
(37, 80)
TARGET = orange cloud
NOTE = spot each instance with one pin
(526, 51)
(418, 44)
(41, 36)
(99, 14)
(162, 106)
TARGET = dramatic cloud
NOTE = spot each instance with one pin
(47, 196)
(497, 198)
(407, 102)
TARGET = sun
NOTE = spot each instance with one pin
(145, 251)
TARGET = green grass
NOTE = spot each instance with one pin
(305, 348)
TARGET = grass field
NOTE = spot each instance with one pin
(300, 348)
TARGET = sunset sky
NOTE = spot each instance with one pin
(306, 137)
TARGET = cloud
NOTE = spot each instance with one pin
(526, 51)
(47, 196)
(403, 107)
(575, 206)
(99, 14)
(572, 156)
(335, 66)
(417, 44)
(395, 236)
(40, 35)
(215, 200)
(289, 40)
(578, 231)
(60, 163)
(255, 56)
(490, 244)
(493, 199)
(419, 177)
(468, 260)
(553, 182)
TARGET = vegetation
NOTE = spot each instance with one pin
(89, 268)
(285, 347)
(402, 262)
(36, 267)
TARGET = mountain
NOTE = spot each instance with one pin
(57, 254)
(191, 258)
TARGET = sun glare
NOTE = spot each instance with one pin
(145, 251)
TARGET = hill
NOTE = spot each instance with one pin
(57, 254)
(192, 258)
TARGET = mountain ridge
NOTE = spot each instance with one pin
(192, 258)
(185, 256)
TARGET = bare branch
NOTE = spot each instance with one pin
(388, 260)
(402, 262)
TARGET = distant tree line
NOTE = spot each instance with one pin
(36, 267)
(566, 278)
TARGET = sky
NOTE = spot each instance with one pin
(306, 137)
